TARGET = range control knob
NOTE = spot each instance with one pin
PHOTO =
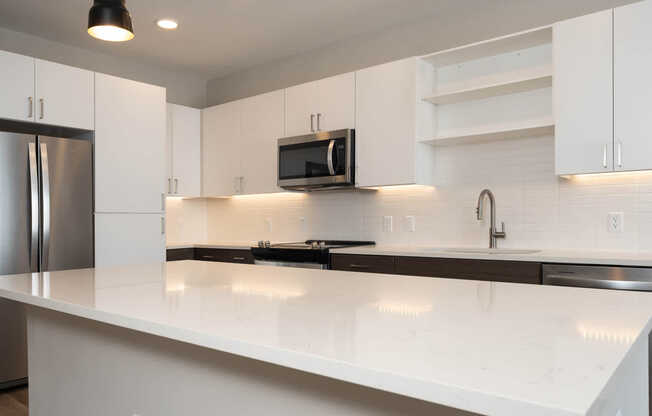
(267, 244)
(261, 244)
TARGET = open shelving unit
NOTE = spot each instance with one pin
(493, 90)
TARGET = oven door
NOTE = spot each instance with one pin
(316, 160)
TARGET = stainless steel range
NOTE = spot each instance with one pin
(310, 254)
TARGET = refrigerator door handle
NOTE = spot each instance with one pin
(45, 183)
(34, 216)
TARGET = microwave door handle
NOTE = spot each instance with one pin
(329, 157)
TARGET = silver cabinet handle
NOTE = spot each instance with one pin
(329, 157)
(30, 112)
(33, 180)
(241, 190)
(169, 185)
(162, 225)
(239, 258)
(358, 266)
(45, 196)
(42, 102)
(312, 123)
(176, 185)
(318, 121)
(604, 156)
(620, 154)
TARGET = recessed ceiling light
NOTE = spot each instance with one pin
(167, 24)
(110, 20)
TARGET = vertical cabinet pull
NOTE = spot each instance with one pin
(169, 185)
(30, 111)
(162, 225)
(42, 103)
(620, 154)
(318, 121)
(604, 156)
(176, 185)
(312, 123)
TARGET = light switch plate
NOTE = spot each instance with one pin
(616, 222)
(410, 223)
(387, 223)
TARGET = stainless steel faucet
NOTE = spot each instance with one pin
(493, 233)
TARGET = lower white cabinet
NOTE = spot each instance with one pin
(239, 155)
(183, 151)
(124, 239)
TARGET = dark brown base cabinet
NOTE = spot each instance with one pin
(487, 270)
(211, 254)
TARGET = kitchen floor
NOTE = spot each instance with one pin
(13, 402)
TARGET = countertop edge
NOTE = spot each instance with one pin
(443, 394)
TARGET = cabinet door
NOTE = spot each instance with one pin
(385, 124)
(123, 239)
(335, 102)
(17, 86)
(169, 190)
(221, 150)
(64, 95)
(130, 136)
(583, 94)
(633, 87)
(261, 127)
(299, 107)
(186, 148)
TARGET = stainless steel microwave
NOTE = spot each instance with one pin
(322, 160)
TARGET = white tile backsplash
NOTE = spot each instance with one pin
(540, 210)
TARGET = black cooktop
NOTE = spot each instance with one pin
(309, 251)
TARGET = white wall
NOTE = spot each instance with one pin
(540, 210)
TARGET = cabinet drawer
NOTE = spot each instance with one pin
(224, 255)
(175, 254)
(363, 263)
(489, 270)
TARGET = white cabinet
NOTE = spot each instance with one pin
(583, 94)
(239, 145)
(45, 92)
(124, 239)
(64, 95)
(389, 119)
(130, 136)
(17, 86)
(261, 126)
(183, 151)
(323, 105)
(633, 87)
(221, 150)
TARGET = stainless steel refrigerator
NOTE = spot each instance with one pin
(46, 224)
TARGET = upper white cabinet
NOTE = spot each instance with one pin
(17, 86)
(632, 86)
(583, 94)
(323, 105)
(239, 145)
(130, 137)
(184, 151)
(45, 92)
(388, 123)
(64, 95)
(220, 152)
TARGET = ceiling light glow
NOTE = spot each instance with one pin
(168, 24)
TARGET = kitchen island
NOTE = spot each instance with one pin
(194, 337)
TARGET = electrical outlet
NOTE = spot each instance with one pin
(387, 223)
(615, 222)
(410, 223)
(268, 225)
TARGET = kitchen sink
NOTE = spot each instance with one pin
(489, 251)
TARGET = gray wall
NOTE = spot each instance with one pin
(182, 88)
(488, 19)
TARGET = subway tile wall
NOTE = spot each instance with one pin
(540, 210)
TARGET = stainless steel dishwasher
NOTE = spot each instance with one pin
(598, 277)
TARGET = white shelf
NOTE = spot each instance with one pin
(492, 90)
(504, 44)
(532, 128)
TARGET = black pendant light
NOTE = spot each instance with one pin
(110, 20)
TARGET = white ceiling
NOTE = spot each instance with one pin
(219, 37)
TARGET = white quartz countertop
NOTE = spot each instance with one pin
(233, 245)
(617, 258)
(491, 348)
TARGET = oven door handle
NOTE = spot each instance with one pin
(329, 157)
(590, 282)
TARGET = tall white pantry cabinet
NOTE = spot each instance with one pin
(130, 147)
